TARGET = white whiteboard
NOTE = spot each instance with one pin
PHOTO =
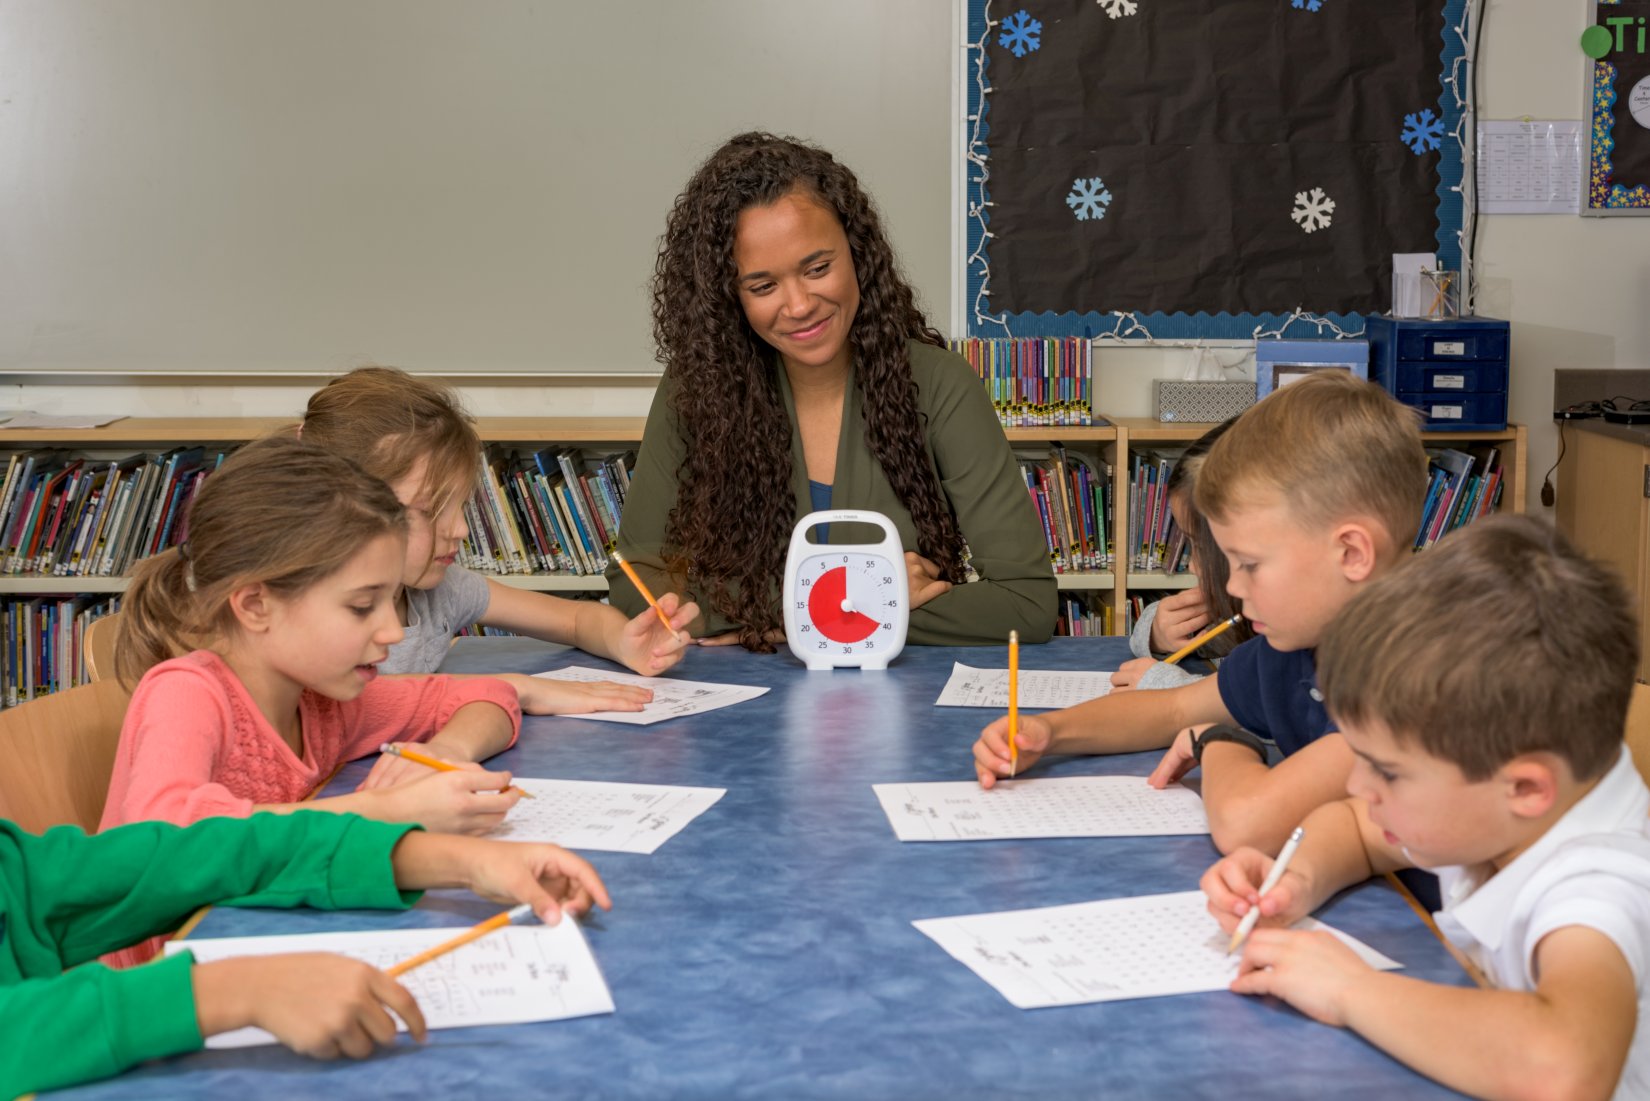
(448, 186)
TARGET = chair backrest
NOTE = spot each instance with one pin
(1638, 728)
(59, 753)
(100, 647)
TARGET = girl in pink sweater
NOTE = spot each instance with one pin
(282, 603)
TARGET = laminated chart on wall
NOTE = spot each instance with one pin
(1145, 947)
(1202, 168)
(1618, 107)
(514, 975)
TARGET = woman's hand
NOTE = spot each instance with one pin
(923, 579)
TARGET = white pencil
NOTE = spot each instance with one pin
(1247, 925)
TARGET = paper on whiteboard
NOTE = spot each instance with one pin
(1039, 688)
(672, 699)
(1066, 806)
(518, 974)
(1145, 947)
(619, 818)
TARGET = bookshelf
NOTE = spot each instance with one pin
(1111, 445)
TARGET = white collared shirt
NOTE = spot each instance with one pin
(1591, 868)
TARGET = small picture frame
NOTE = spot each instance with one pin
(1281, 362)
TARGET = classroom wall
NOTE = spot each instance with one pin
(1575, 289)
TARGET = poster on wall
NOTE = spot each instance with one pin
(1618, 108)
(1186, 169)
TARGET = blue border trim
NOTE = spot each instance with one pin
(1201, 325)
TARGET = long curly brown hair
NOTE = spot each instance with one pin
(731, 524)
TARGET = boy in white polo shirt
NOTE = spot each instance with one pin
(1483, 688)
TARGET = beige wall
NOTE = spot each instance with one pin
(1576, 290)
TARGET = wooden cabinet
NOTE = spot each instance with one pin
(1603, 507)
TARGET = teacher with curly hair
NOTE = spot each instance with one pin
(800, 375)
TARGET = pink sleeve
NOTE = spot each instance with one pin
(415, 708)
(175, 730)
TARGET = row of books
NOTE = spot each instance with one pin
(1461, 486)
(1035, 382)
(73, 517)
(1155, 540)
(551, 512)
(1084, 616)
(45, 643)
(1074, 503)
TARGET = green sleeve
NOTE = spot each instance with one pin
(652, 494)
(84, 896)
(94, 1022)
(66, 898)
(1016, 589)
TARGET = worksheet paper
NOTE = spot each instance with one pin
(615, 818)
(971, 687)
(672, 699)
(517, 974)
(1074, 806)
(1146, 947)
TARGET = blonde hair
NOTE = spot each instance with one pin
(280, 512)
(386, 420)
(1332, 446)
(1500, 641)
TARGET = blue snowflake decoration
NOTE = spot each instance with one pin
(1021, 33)
(1309, 5)
(1422, 132)
(1089, 198)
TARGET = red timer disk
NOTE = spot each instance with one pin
(831, 612)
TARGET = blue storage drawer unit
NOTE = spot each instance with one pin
(1453, 412)
(1454, 372)
(1468, 377)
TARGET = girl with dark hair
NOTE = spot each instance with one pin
(1169, 624)
(800, 375)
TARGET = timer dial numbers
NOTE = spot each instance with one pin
(847, 595)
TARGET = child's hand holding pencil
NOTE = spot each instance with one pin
(993, 759)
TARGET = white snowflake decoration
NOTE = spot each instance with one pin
(1089, 198)
(1309, 5)
(1021, 33)
(1312, 211)
(1422, 132)
(1116, 9)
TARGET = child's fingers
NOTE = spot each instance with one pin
(353, 1039)
(1170, 767)
(375, 1020)
(580, 871)
(400, 1002)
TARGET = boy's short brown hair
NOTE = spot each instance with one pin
(1501, 640)
(1332, 446)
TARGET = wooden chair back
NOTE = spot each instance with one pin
(59, 753)
(100, 647)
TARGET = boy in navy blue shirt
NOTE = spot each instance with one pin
(1312, 493)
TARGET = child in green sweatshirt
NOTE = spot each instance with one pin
(66, 898)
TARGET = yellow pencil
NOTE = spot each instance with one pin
(1212, 633)
(474, 932)
(646, 595)
(396, 749)
(1013, 703)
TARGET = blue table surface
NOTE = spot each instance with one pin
(767, 950)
